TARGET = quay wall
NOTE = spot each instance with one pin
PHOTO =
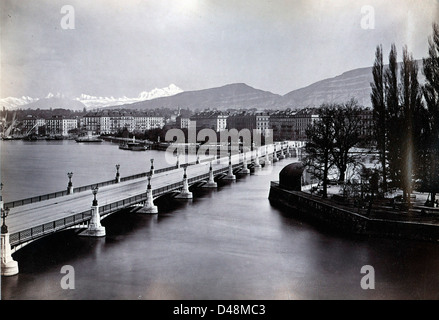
(313, 209)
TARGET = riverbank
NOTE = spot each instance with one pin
(376, 222)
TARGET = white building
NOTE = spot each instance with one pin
(59, 125)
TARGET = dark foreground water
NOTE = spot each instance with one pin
(228, 243)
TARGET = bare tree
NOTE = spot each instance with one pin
(318, 148)
(347, 124)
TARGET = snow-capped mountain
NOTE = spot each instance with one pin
(12, 102)
(99, 102)
(52, 99)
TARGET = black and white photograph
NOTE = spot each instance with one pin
(219, 155)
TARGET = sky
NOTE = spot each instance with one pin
(121, 48)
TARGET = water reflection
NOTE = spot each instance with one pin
(226, 243)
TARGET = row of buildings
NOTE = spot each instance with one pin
(104, 122)
(282, 125)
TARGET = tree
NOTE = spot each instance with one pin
(394, 126)
(411, 109)
(430, 90)
(347, 124)
(380, 112)
(320, 136)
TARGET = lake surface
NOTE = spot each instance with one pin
(229, 243)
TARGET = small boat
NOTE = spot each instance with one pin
(88, 139)
(133, 146)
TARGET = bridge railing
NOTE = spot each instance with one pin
(57, 194)
(46, 228)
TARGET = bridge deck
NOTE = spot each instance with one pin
(31, 215)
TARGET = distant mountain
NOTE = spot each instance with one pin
(237, 95)
(54, 102)
(58, 100)
(351, 84)
(99, 102)
(12, 102)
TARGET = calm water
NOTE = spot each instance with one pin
(228, 243)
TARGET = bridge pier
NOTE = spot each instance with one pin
(287, 153)
(95, 229)
(149, 206)
(257, 164)
(184, 193)
(230, 175)
(275, 158)
(267, 158)
(282, 155)
(9, 266)
(211, 183)
(244, 169)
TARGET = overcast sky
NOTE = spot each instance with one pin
(120, 48)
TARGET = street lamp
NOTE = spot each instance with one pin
(117, 173)
(149, 183)
(95, 192)
(5, 213)
(152, 166)
(70, 175)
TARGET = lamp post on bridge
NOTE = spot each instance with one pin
(185, 193)
(95, 229)
(211, 183)
(149, 206)
(9, 266)
(117, 173)
(178, 160)
(70, 184)
(95, 192)
(152, 166)
(5, 213)
(230, 175)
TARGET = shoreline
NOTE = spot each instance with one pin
(330, 214)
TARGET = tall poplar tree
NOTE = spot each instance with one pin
(380, 112)
(411, 123)
(394, 125)
(430, 92)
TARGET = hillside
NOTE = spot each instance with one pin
(238, 95)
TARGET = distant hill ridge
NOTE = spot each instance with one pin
(350, 84)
